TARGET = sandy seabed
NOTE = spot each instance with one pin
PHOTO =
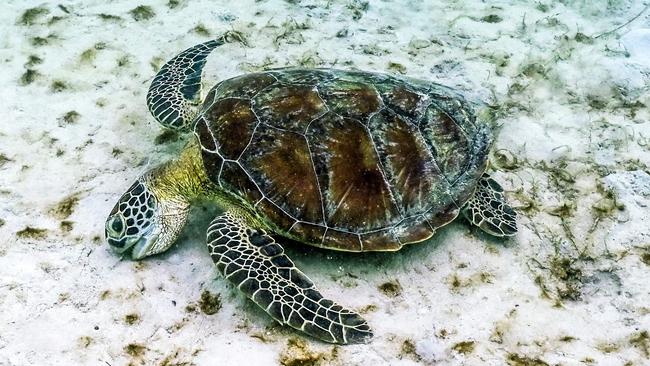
(567, 80)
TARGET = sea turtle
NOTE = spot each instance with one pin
(345, 160)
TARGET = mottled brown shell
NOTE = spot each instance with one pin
(346, 160)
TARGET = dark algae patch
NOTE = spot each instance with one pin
(209, 303)
(39, 41)
(135, 349)
(4, 160)
(567, 271)
(64, 209)
(28, 77)
(358, 8)
(298, 353)
(567, 339)
(391, 288)
(465, 347)
(131, 319)
(67, 226)
(641, 341)
(492, 18)
(30, 16)
(645, 258)
(191, 308)
(408, 350)
(58, 86)
(33, 60)
(32, 233)
(201, 30)
(519, 360)
(71, 117)
(142, 12)
(109, 17)
(123, 61)
(173, 4)
(583, 38)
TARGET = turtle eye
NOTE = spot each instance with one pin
(116, 225)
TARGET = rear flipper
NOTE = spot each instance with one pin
(257, 265)
(489, 210)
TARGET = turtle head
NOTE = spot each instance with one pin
(146, 220)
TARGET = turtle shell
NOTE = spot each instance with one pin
(346, 160)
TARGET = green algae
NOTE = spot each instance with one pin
(492, 18)
(357, 8)
(32, 15)
(65, 208)
(28, 77)
(641, 341)
(58, 86)
(397, 67)
(66, 226)
(135, 349)
(173, 4)
(39, 41)
(201, 30)
(142, 13)
(298, 353)
(583, 38)
(33, 60)
(131, 319)
(514, 359)
(210, 303)
(391, 288)
(408, 349)
(123, 61)
(71, 117)
(30, 232)
(465, 347)
(645, 258)
(109, 17)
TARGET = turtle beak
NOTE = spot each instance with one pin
(142, 247)
(123, 245)
(136, 247)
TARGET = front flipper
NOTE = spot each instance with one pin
(489, 210)
(257, 265)
(175, 90)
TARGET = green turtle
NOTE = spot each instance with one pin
(345, 160)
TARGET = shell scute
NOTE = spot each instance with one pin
(281, 162)
(337, 239)
(357, 195)
(413, 230)
(231, 121)
(310, 232)
(405, 101)
(244, 86)
(451, 145)
(410, 166)
(351, 99)
(380, 240)
(290, 107)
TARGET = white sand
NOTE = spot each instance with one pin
(573, 148)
